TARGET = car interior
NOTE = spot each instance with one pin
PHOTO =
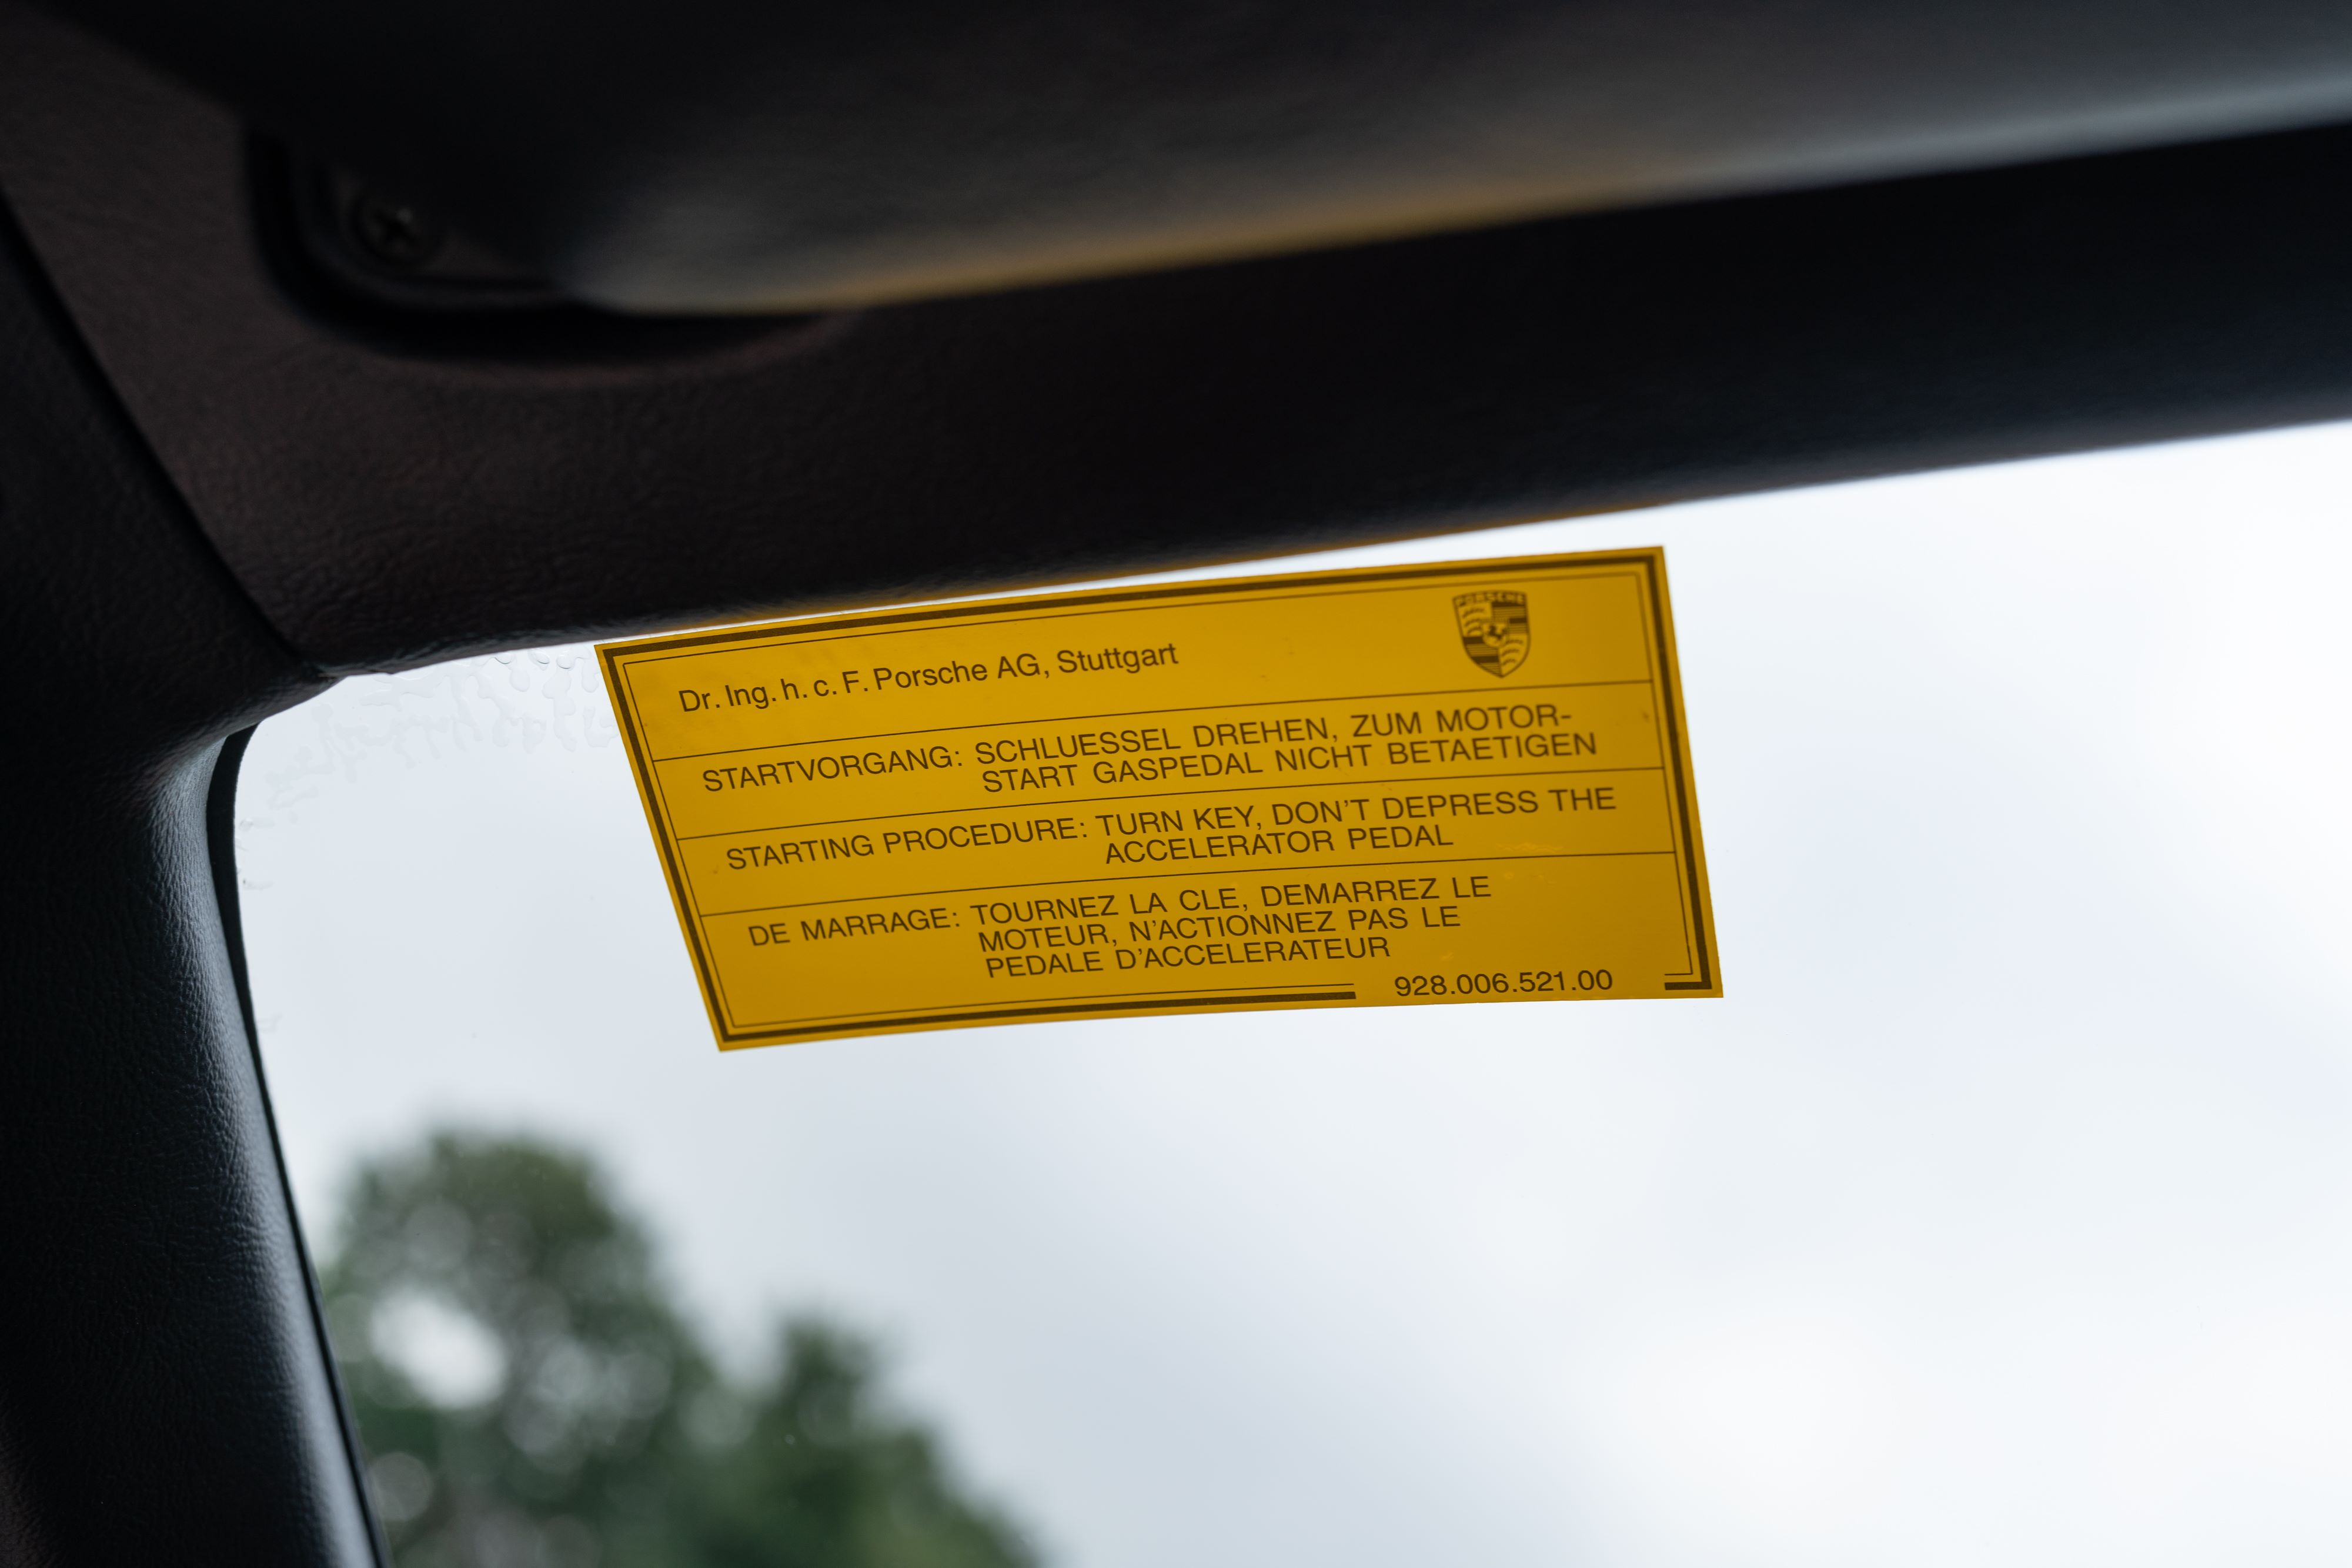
(356, 339)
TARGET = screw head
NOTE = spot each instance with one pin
(394, 232)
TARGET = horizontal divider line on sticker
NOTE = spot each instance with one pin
(1142, 712)
(1165, 875)
(1211, 993)
(1078, 604)
(1303, 783)
(761, 1031)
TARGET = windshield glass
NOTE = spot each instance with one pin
(1998, 1210)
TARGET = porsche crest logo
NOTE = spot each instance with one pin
(1494, 626)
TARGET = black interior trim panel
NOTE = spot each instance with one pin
(704, 155)
(386, 508)
(165, 1393)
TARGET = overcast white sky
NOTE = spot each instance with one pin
(2001, 1212)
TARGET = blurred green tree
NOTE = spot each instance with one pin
(530, 1396)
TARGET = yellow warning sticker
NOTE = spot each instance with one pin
(1459, 783)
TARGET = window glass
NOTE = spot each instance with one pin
(2001, 1210)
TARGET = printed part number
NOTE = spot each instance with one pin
(1528, 982)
